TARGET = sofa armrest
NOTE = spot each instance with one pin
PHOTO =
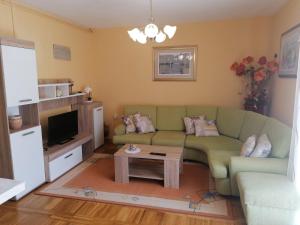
(120, 129)
(262, 165)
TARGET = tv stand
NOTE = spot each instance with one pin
(61, 158)
(65, 141)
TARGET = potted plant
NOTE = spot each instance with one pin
(256, 75)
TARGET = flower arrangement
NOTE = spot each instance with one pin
(256, 76)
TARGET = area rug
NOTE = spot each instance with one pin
(94, 180)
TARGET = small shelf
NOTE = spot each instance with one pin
(55, 84)
(148, 170)
(55, 98)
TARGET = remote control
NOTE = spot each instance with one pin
(157, 153)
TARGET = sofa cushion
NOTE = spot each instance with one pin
(253, 125)
(146, 110)
(280, 136)
(213, 143)
(230, 121)
(170, 138)
(133, 138)
(170, 118)
(218, 161)
(255, 190)
(209, 112)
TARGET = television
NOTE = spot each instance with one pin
(62, 128)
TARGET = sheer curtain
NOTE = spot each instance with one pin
(294, 160)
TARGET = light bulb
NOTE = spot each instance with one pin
(141, 38)
(151, 30)
(161, 37)
(133, 34)
(170, 30)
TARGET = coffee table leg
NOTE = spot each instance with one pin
(121, 170)
(171, 173)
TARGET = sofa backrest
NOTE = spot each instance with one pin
(253, 124)
(230, 121)
(170, 118)
(280, 137)
(147, 110)
(210, 112)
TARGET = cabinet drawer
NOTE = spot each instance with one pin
(59, 166)
(27, 158)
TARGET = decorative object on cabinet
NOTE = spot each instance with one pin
(289, 53)
(255, 77)
(175, 63)
(15, 122)
(18, 71)
(88, 90)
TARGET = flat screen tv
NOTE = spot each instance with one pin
(62, 127)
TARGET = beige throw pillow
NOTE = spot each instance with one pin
(263, 147)
(248, 146)
(189, 123)
(206, 128)
(129, 124)
(143, 124)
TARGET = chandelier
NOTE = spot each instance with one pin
(152, 32)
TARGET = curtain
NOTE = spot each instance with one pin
(294, 159)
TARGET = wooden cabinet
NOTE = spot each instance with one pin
(21, 151)
(27, 158)
(20, 75)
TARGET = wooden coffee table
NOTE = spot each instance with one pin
(147, 166)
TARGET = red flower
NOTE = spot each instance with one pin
(273, 66)
(240, 69)
(262, 60)
(260, 75)
(234, 66)
(248, 60)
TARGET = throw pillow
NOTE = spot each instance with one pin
(248, 146)
(129, 124)
(211, 129)
(206, 128)
(189, 123)
(263, 147)
(143, 124)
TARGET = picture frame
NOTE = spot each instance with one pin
(289, 53)
(177, 63)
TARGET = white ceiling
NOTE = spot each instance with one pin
(113, 13)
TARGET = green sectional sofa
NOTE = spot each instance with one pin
(220, 153)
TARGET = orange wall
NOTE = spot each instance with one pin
(125, 67)
(284, 89)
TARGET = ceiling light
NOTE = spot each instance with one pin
(152, 32)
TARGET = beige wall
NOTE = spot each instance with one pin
(125, 67)
(45, 31)
(284, 89)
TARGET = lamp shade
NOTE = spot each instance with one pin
(161, 37)
(133, 34)
(87, 89)
(141, 38)
(170, 31)
(151, 30)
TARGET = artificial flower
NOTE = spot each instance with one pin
(273, 66)
(248, 60)
(240, 69)
(260, 75)
(234, 66)
(262, 60)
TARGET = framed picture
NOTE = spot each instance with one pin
(175, 63)
(289, 53)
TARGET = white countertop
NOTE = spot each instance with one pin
(9, 189)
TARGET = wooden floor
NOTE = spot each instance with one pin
(43, 210)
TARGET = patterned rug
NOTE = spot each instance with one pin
(93, 180)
